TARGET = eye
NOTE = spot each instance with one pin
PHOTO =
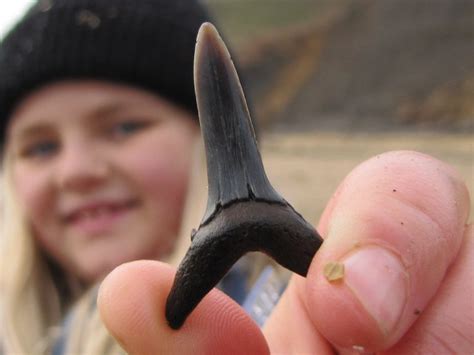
(40, 149)
(126, 128)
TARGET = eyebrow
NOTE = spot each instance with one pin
(111, 108)
(30, 131)
(33, 129)
(106, 109)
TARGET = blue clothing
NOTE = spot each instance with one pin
(262, 297)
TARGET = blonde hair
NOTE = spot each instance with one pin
(29, 297)
(32, 307)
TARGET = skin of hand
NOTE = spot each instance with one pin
(398, 225)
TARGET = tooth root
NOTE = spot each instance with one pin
(275, 230)
(198, 273)
(235, 169)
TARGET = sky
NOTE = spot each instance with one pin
(10, 12)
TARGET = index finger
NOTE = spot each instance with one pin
(132, 305)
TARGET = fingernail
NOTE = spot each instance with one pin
(378, 279)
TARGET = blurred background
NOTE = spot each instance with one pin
(334, 82)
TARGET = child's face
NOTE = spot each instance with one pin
(101, 171)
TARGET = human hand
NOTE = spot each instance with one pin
(397, 223)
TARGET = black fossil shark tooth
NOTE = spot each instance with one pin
(244, 213)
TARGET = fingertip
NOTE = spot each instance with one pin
(398, 174)
(132, 304)
(127, 307)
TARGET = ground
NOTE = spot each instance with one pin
(306, 167)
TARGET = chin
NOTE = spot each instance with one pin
(93, 272)
(104, 255)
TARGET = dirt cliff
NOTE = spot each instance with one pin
(369, 65)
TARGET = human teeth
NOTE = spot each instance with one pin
(93, 213)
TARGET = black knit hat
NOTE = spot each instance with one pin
(146, 43)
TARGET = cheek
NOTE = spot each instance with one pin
(36, 200)
(162, 170)
(33, 193)
(165, 184)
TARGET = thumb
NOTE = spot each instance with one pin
(395, 225)
(132, 305)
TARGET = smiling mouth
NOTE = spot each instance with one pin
(99, 218)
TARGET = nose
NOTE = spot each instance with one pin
(81, 167)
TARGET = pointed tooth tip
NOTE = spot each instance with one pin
(209, 47)
(207, 29)
(209, 37)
